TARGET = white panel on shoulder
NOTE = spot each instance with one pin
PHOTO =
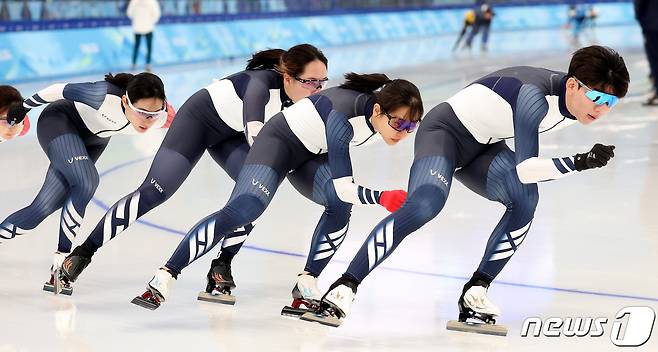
(227, 103)
(483, 112)
(230, 107)
(363, 135)
(273, 106)
(108, 120)
(307, 125)
(554, 119)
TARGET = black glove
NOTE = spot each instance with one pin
(16, 113)
(597, 157)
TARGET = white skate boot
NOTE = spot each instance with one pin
(306, 296)
(54, 284)
(335, 304)
(474, 304)
(157, 290)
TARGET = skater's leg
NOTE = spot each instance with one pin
(268, 161)
(313, 180)
(51, 197)
(138, 39)
(493, 175)
(230, 155)
(149, 47)
(253, 191)
(171, 165)
(429, 185)
(68, 155)
(183, 146)
(53, 122)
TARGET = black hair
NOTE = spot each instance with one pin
(600, 67)
(291, 61)
(389, 94)
(9, 95)
(139, 86)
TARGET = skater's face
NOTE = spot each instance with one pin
(393, 126)
(587, 104)
(8, 132)
(311, 81)
(144, 113)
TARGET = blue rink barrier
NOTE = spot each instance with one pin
(32, 55)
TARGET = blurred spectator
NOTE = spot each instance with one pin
(483, 17)
(144, 14)
(4, 11)
(577, 16)
(646, 12)
(26, 14)
(469, 19)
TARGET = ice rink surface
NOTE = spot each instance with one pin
(591, 251)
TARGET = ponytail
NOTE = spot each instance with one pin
(120, 79)
(266, 59)
(366, 83)
(292, 61)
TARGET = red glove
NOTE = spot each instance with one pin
(392, 200)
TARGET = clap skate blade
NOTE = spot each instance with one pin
(147, 300)
(298, 308)
(321, 318)
(487, 325)
(222, 296)
(49, 287)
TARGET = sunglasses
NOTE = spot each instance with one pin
(148, 114)
(599, 98)
(312, 84)
(400, 125)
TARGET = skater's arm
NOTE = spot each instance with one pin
(339, 134)
(256, 97)
(92, 94)
(530, 110)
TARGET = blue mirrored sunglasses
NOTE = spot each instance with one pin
(400, 125)
(598, 97)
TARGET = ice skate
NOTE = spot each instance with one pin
(474, 305)
(53, 286)
(157, 290)
(305, 296)
(335, 305)
(220, 283)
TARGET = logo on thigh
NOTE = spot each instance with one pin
(441, 178)
(261, 187)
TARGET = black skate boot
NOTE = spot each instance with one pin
(72, 267)
(220, 283)
(474, 304)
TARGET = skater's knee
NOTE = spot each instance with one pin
(151, 194)
(86, 183)
(425, 202)
(334, 206)
(523, 199)
(245, 209)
